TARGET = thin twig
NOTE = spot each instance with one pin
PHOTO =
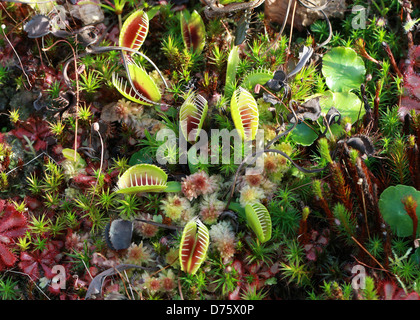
(370, 267)
(123, 281)
(291, 27)
(365, 250)
(23, 273)
(180, 288)
(281, 29)
(20, 61)
(7, 12)
(129, 284)
(166, 267)
(77, 91)
(43, 153)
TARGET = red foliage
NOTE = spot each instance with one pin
(33, 204)
(316, 244)
(87, 180)
(390, 291)
(84, 181)
(12, 225)
(36, 130)
(411, 95)
(257, 272)
(41, 260)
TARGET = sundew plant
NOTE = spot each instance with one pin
(209, 150)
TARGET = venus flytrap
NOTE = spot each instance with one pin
(193, 31)
(192, 115)
(258, 218)
(142, 178)
(245, 115)
(144, 89)
(193, 246)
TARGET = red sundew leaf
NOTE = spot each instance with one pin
(134, 30)
(45, 260)
(2, 204)
(238, 266)
(14, 233)
(13, 221)
(40, 145)
(29, 265)
(390, 291)
(33, 203)
(12, 225)
(412, 296)
(35, 130)
(193, 31)
(411, 96)
(408, 104)
(234, 295)
(47, 271)
(84, 180)
(7, 258)
(194, 245)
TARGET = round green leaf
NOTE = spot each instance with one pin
(303, 135)
(343, 69)
(392, 209)
(347, 103)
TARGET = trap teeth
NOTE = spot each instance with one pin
(259, 220)
(192, 115)
(244, 111)
(146, 91)
(194, 245)
(134, 30)
(142, 178)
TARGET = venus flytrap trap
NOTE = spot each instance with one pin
(193, 31)
(144, 89)
(256, 77)
(142, 178)
(244, 111)
(134, 31)
(192, 115)
(258, 218)
(193, 246)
